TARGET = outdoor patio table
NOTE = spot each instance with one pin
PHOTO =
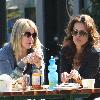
(48, 94)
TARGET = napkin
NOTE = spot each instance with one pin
(5, 83)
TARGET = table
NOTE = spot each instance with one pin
(48, 94)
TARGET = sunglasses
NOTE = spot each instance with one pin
(29, 34)
(81, 33)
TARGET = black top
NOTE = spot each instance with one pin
(89, 63)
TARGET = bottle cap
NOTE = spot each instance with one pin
(52, 65)
(52, 60)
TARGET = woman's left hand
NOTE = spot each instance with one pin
(76, 76)
(74, 73)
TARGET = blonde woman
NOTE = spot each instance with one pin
(23, 51)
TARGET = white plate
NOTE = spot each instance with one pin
(45, 86)
(68, 86)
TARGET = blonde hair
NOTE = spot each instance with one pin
(19, 27)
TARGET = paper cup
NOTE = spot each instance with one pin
(88, 83)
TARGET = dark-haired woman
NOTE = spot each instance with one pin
(80, 59)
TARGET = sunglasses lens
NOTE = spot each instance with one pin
(82, 33)
(28, 34)
(75, 32)
(34, 35)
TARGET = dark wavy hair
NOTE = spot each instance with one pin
(93, 35)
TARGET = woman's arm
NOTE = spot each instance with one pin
(22, 65)
(90, 65)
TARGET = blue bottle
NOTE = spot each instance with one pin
(52, 75)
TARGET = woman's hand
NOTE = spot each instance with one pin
(76, 76)
(33, 58)
(74, 73)
(65, 77)
(37, 59)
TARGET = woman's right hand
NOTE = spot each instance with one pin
(28, 58)
(33, 58)
(65, 77)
